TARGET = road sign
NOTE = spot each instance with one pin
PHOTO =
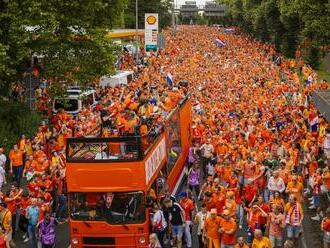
(151, 31)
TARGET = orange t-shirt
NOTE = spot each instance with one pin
(25, 202)
(11, 205)
(296, 190)
(238, 246)
(228, 225)
(254, 218)
(16, 157)
(210, 204)
(212, 226)
(326, 224)
(231, 206)
(326, 180)
(188, 206)
(227, 170)
(313, 166)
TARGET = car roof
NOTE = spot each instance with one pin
(76, 91)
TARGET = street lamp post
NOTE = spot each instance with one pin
(137, 29)
(173, 18)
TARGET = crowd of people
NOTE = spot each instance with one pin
(261, 149)
(259, 146)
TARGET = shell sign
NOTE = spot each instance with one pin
(151, 20)
(151, 32)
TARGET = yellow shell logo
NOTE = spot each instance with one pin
(151, 20)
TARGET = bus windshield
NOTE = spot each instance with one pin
(114, 208)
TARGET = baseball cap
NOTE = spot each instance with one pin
(183, 194)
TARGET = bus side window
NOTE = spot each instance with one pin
(174, 140)
(152, 195)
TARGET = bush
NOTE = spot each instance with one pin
(313, 56)
(16, 119)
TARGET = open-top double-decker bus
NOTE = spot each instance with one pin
(109, 179)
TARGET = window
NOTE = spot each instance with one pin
(114, 208)
(66, 104)
(99, 150)
(173, 140)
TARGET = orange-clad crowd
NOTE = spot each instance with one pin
(260, 148)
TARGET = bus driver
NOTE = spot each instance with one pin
(106, 210)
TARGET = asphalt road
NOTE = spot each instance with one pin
(62, 237)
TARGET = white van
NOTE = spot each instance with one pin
(120, 78)
(75, 100)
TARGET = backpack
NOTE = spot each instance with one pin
(47, 232)
(193, 177)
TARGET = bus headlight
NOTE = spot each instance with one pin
(74, 241)
(142, 240)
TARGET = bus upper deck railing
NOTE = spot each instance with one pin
(128, 148)
(111, 149)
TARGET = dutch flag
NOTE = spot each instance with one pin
(220, 43)
(169, 79)
(314, 124)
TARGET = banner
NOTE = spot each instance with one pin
(151, 31)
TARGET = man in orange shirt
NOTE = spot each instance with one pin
(211, 229)
(294, 216)
(188, 207)
(227, 230)
(295, 188)
(241, 243)
(16, 164)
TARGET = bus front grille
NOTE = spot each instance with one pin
(98, 241)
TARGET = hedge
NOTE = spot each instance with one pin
(16, 119)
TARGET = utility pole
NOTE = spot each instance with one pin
(173, 19)
(137, 28)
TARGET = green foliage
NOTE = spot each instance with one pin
(16, 119)
(323, 73)
(69, 34)
(286, 23)
(162, 7)
(313, 56)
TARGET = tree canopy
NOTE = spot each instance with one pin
(287, 24)
(162, 7)
(69, 35)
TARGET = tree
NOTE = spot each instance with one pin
(70, 35)
(285, 23)
(162, 7)
(13, 43)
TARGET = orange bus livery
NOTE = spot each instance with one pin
(108, 180)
